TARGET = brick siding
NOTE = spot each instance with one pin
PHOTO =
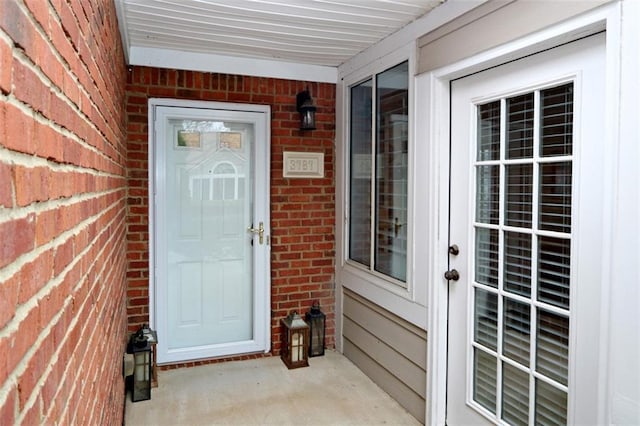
(62, 213)
(302, 210)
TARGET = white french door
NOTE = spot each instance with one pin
(526, 146)
(211, 230)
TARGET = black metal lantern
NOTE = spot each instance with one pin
(316, 320)
(141, 349)
(295, 335)
(307, 110)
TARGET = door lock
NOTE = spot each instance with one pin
(452, 275)
(454, 250)
(259, 230)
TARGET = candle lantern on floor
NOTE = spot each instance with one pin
(295, 338)
(316, 320)
(141, 349)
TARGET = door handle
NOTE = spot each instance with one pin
(259, 230)
(452, 275)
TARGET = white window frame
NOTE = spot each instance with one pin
(371, 268)
(405, 299)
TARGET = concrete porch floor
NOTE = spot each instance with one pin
(331, 391)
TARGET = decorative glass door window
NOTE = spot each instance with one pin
(521, 297)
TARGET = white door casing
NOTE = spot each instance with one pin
(210, 183)
(580, 65)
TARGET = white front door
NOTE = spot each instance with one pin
(526, 187)
(211, 270)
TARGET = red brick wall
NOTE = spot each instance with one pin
(302, 210)
(62, 213)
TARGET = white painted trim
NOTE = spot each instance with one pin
(619, 383)
(609, 165)
(339, 213)
(401, 53)
(435, 92)
(182, 60)
(151, 118)
(262, 337)
(436, 87)
(122, 25)
(153, 102)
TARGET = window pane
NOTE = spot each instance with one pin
(517, 263)
(488, 193)
(360, 179)
(556, 127)
(485, 328)
(555, 197)
(516, 333)
(551, 405)
(515, 395)
(484, 379)
(392, 97)
(554, 271)
(520, 126)
(519, 192)
(487, 256)
(489, 131)
(552, 350)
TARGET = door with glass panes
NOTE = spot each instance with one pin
(526, 190)
(211, 229)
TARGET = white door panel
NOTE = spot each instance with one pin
(211, 273)
(526, 214)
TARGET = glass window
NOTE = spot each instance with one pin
(523, 175)
(379, 172)
(360, 179)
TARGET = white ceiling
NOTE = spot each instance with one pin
(312, 32)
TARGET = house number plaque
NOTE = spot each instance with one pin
(303, 164)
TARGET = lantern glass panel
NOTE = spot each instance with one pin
(308, 119)
(317, 337)
(297, 346)
(142, 374)
(316, 320)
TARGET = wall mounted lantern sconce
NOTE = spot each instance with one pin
(295, 338)
(307, 110)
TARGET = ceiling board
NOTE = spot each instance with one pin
(316, 32)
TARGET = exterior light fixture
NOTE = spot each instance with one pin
(307, 110)
(295, 338)
(141, 349)
(316, 320)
